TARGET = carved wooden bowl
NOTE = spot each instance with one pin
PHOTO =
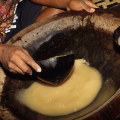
(89, 36)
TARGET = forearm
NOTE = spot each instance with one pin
(53, 3)
(48, 12)
(2, 46)
(75, 5)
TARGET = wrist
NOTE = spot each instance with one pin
(2, 48)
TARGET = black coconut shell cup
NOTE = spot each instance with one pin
(89, 36)
(55, 70)
(116, 36)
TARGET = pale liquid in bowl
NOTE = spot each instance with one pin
(78, 91)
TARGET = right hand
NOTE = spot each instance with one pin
(17, 60)
(79, 5)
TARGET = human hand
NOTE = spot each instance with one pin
(17, 60)
(79, 5)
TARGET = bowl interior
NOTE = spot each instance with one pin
(55, 38)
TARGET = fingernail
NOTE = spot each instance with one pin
(92, 10)
(38, 69)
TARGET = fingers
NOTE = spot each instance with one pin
(29, 60)
(87, 7)
(19, 66)
(13, 68)
(91, 4)
(21, 61)
(18, 60)
(79, 5)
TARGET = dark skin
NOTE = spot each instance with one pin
(16, 59)
(76, 5)
(48, 12)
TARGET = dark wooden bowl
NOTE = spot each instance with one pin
(89, 36)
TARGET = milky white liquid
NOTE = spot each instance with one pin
(76, 93)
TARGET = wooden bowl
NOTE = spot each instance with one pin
(89, 36)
